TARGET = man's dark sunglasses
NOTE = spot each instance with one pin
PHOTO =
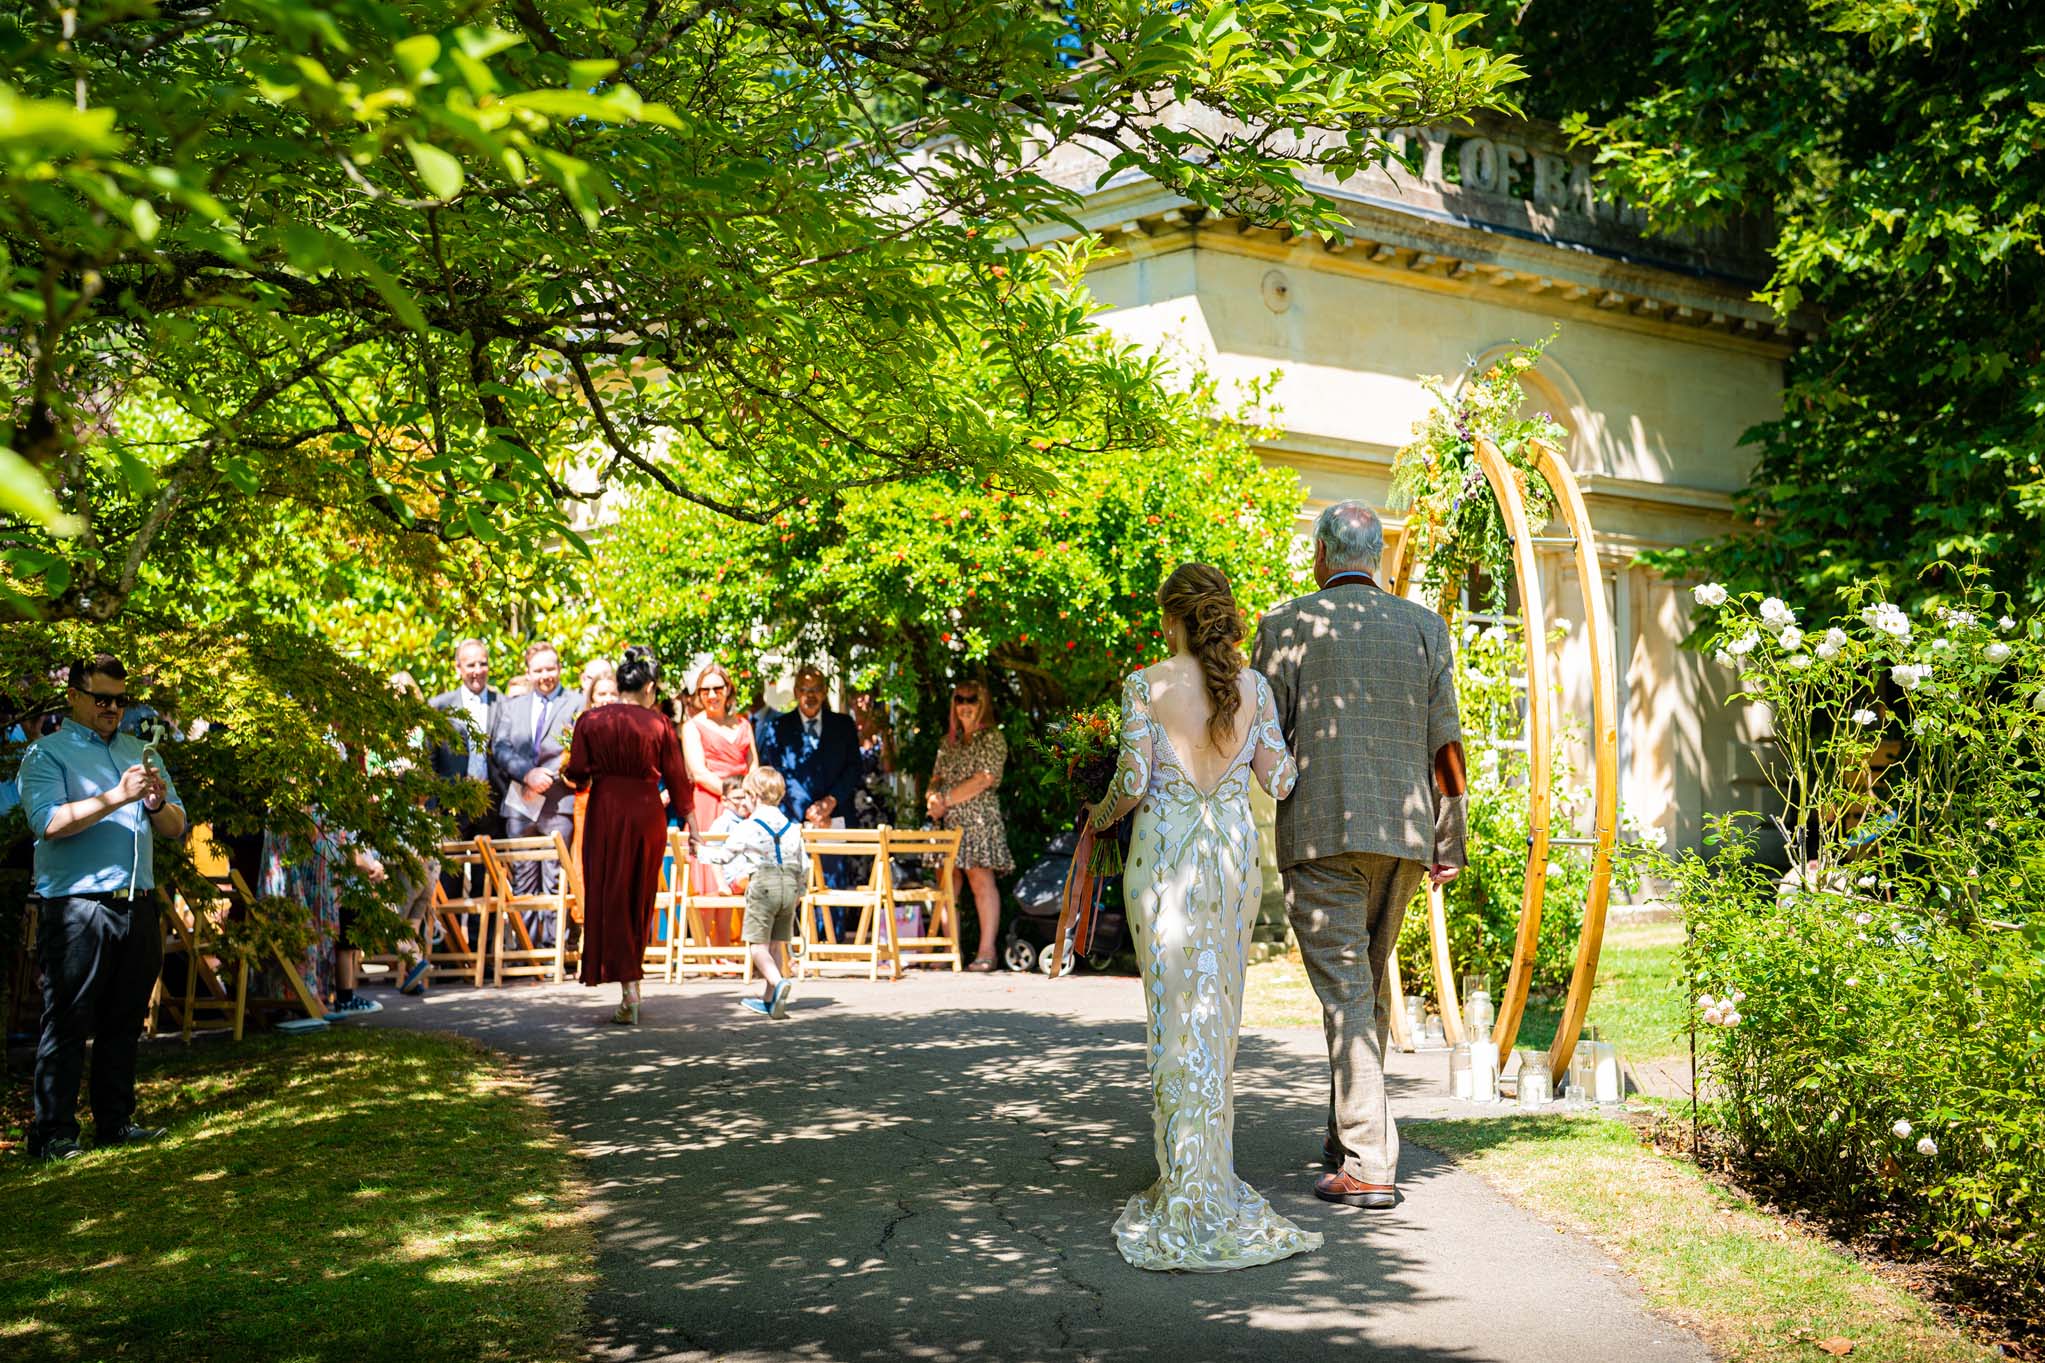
(958, 698)
(105, 701)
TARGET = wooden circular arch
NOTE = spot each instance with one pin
(1399, 574)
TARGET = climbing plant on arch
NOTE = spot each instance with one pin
(1483, 482)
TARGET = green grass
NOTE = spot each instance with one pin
(1753, 1287)
(351, 1195)
(1637, 1003)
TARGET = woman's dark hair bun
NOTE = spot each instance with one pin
(636, 674)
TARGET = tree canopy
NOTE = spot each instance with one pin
(453, 269)
(1896, 146)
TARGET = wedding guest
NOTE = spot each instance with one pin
(817, 753)
(591, 671)
(528, 742)
(970, 759)
(764, 859)
(624, 754)
(713, 847)
(718, 746)
(600, 689)
(95, 806)
(464, 751)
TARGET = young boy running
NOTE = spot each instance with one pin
(764, 860)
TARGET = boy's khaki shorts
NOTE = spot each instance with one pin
(772, 896)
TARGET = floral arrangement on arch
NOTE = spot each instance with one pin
(1453, 522)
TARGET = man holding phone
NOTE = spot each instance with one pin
(96, 800)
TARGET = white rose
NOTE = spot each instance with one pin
(1996, 652)
(1864, 717)
(1853, 982)
(2005, 624)
(1896, 623)
(1706, 1001)
(1926, 1146)
(1828, 651)
(1799, 661)
(1714, 1017)
(1864, 918)
(1775, 615)
(1836, 637)
(1743, 645)
(1866, 883)
(1941, 645)
(1902, 1129)
(1792, 638)
(1737, 997)
(1709, 594)
(1722, 658)
(1910, 676)
(1732, 1019)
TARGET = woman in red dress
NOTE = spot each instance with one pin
(624, 753)
(717, 746)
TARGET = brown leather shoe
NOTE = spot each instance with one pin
(1354, 1192)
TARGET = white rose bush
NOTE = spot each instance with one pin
(1886, 1053)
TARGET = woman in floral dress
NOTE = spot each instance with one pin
(968, 772)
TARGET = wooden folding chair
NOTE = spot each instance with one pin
(873, 937)
(216, 982)
(298, 994)
(939, 940)
(699, 915)
(518, 957)
(445, 937)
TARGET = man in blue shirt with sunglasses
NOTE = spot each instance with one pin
(95, 806)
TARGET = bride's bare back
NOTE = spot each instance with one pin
(1180, 705)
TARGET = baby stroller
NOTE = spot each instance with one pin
(1033, 923)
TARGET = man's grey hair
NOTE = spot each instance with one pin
(1350, 535)
(465, 645)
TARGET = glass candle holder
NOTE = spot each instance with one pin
(1576, 1098)
(1459, 1071)
(1483, 1072)
(1477, 1014)
(1434, 1032)
(1536, 1085)
(1606, 1085)
(1416, 1017)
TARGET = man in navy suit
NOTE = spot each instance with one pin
(817, 753)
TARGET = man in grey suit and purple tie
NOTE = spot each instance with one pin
(1364, 683)
(528, 743)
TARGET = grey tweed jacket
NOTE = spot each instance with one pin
(1365, 687)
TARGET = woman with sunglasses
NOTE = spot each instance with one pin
(717, 746)
(969, 764)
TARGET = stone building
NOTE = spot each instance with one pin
(1463, 244)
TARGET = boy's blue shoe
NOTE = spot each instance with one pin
(415, 977)
(355, 1007)
(778, 1006)
(759, 1006)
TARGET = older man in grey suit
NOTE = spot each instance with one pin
(528, 743)
(1364, 683)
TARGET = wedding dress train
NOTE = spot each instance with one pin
(1193, 887)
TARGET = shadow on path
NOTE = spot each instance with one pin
(931, 1170)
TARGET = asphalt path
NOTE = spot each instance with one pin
(930, 1169)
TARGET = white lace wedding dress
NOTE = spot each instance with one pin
(1193, 886)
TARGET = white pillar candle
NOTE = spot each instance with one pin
(1605, 1073)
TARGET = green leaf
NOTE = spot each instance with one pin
(23, 493)
(441, 172)
(417, 54)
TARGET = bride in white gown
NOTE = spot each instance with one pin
(1195, 729)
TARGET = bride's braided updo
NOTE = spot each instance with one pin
(1199, 597)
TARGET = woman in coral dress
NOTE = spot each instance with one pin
(624, 754)
(718, 746)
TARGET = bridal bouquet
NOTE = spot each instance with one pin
(1084, 745)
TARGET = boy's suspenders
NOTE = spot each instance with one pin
(785, 826)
